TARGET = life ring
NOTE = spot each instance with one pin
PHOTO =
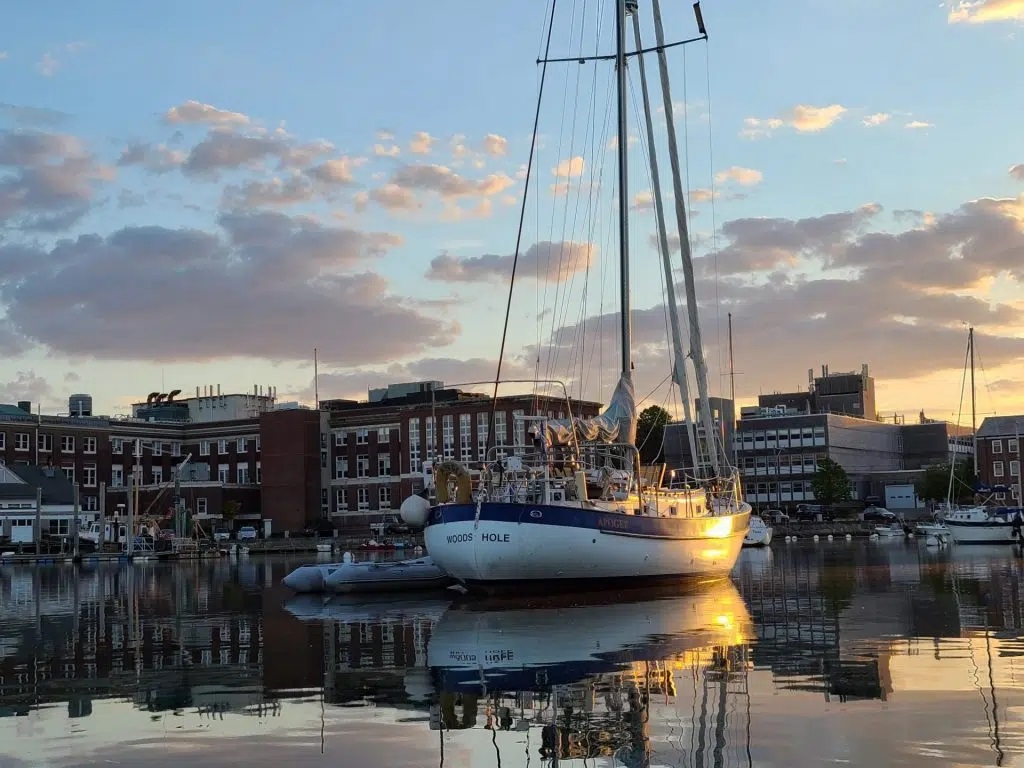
(453, 472)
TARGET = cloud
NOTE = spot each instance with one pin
(155, 158)
(275, 193)
(546, 261)
(395, 198)
(746, 177)
(265, 285)
(33, 117)
(918, 124)
(570, 168)
(1017, 171)
(49, 182)
(643, 201)
(446, 183)
(48, 65)
(803, 118)
(872, 121)
(391, 150)
(128, 199)
(985, 11)
(26, 385)
(495, 145)
(194, 112)
(4, 55)
(421, 143)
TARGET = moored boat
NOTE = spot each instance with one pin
(759, 535)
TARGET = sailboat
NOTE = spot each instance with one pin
(981, 524)
(580, 506)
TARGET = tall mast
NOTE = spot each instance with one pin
(732, 386)
(620, 67)
(678, 356)
(974, 417)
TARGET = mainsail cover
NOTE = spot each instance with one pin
(616, 425)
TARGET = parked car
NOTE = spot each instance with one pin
(221, 534)
(878, 515)
(774, 516)
(247, 533)
(810, 512)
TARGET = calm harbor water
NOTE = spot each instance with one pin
(874, 654)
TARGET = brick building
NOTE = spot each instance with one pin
(351, 462)
(998, 455)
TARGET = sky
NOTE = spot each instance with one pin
(205, 195)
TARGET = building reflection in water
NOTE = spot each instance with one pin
(644, 677)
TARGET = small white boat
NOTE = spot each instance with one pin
(422, 573)
(310, 578)
(939, 530)
(895, 530)
(325, 547)
(759, 534)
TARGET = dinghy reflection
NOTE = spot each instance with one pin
(582, 681)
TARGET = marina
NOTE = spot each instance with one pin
(217, 656)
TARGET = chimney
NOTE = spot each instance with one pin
(25, 405)
(218, 390)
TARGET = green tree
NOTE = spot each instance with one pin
(229, 511)
(934, 484)
(650, 434)
(831, 484)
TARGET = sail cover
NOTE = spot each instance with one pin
(616, 425)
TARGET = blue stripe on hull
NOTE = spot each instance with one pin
(591, 519)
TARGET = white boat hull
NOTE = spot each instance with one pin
(759, 535)
(513, 544)
(982, 533)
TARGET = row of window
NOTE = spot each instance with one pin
(805, 461)
(362, 498)
(998, 467)
(67, 443)
(784, 488)
(1011, 446)
(241, 476)
(363, 466)
(362, 436)
(782, 436)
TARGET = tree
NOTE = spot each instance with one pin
(934, 484)
(229, 511)
(831, 484)
(650, 434)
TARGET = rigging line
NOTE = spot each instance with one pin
(714, 224)
(568, 183)
(519, 233)
(960, 413)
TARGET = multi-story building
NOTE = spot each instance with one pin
(998, 455)
(677, 451)
(378, 448)
(778, 451)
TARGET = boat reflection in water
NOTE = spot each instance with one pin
(580, 676)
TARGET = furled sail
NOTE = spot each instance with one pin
(616, 425)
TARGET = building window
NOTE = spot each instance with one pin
(1015, 468)
(158, 475)
(242, 472)
(257, 444)
(21, 441)
(519, 425)
(89, 475)
(1011, 446)
(116, 476)
(241, 445)
(363, 498)
(223, 473)
(222, 447)
(482, 430)
(69, 472)
(362, 436)
(201, 506)
(44, 442)
(158, 448)
(325, 503)
(362, 466)
(175, 449)
(997, 446)
(431, 438)
(59, 527)
(89, 445)
(384, 465)
(116, 445)
(384, 494)
(448, 436)
(340, 439)
(500, 432)
(67, 444)
(259, 473)
(997, 469)
(414, 445)
(340, 468)
(3, 440)
(204, 447)
(323, 459)
(340, 500)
